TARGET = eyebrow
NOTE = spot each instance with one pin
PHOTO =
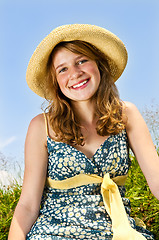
(59, 66)
(62, 64)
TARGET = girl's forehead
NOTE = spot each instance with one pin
(65, 55)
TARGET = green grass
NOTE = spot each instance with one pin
(8, 201)
(144, 205)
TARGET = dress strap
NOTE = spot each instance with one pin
(46, 124)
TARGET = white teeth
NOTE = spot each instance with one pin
(80, 84)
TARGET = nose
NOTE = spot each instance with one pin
(75, 72)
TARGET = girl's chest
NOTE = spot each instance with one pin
(92, 144)
(111, 156)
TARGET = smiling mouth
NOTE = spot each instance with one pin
(80, 84)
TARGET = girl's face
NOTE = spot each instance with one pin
(77, 75)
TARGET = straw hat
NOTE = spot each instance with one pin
(104, 40)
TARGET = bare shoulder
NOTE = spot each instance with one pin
(37, 128)
(37, 122)
(129, 108)
(136, 127)
(131, 113)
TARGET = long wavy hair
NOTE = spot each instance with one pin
(108, 106)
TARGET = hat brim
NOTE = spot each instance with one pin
(104, 40)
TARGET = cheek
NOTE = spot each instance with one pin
(61, 82)
(93, 68)
(95, 72)
(61, 87)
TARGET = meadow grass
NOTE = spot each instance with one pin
(144, 205)
(8, 200)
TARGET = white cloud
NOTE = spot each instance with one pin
(6, 142)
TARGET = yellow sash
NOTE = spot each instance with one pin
(111, 198)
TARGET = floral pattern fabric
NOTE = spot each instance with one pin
(79, 213)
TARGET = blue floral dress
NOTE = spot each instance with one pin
(79, 213)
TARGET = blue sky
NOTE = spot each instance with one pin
(23, 24)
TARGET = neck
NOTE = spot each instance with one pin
(85, 111)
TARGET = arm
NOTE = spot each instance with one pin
(143, 147)
(27, 209)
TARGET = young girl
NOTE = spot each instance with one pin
(77, 153)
